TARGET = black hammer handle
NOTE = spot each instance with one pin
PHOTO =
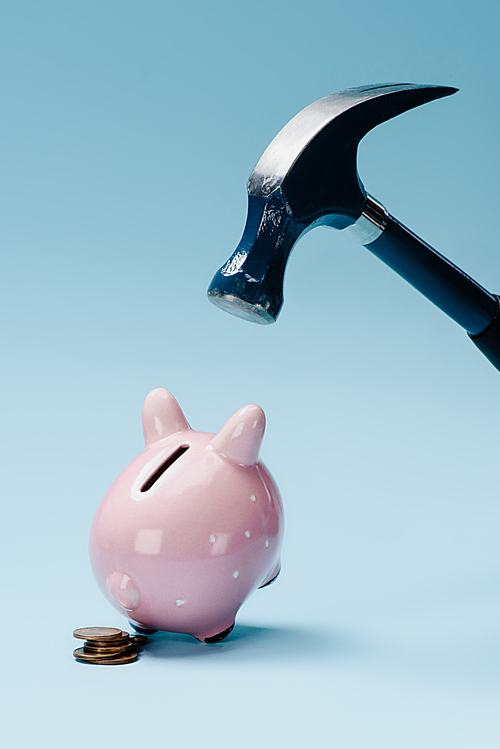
(443, 283)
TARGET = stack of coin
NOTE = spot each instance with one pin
(107, 646)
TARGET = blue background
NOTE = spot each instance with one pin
(127, 133)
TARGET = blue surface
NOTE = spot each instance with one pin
(127, 133)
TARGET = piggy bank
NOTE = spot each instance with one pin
(191, 527)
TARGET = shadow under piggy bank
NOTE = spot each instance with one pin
(254, 643)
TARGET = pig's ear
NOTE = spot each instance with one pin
(240, 437)
(161, 416)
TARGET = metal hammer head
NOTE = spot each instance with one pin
(306, 177)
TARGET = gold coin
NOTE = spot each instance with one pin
(107, 661)
(116, 661)
(89, 649)
(104, 644)
(110, 651)
(84, 655)
(124, 636)
(116, 642)
(97, 633)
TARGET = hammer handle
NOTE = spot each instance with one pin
(443, 283)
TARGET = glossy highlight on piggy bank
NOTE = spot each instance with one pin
(191, 527)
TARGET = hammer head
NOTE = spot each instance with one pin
(306, 177)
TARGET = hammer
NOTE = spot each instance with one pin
(308, 177)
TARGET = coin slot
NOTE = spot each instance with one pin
(161, 470)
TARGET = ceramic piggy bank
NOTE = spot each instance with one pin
(191, 527)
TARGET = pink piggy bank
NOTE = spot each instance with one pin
(191, 527)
